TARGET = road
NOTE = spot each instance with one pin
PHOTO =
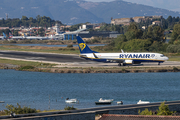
(70, 60)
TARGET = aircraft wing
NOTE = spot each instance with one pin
(110, 59)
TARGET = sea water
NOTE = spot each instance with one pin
(49, 90)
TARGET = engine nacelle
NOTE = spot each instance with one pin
(128, 62)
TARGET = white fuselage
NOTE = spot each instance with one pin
(141, 57)
(17, 37)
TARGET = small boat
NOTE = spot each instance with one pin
(103, 103)
(106, 100)
(143, 102)
(2, 102)
(71, 100)
(119, 102)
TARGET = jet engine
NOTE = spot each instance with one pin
(128, 62)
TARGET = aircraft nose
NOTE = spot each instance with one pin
(166, 58)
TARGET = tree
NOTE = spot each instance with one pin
(164, 110)
(24, 18)
(41, 32)
(158, 34)
(15, 33)
(169, 20)
(175, 34)
(133, 32)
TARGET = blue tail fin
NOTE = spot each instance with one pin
(4, 35)
(83, 46)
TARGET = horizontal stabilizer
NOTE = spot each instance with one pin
(95, 55)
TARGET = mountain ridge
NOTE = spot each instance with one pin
(78, 11)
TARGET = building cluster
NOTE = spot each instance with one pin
(127, 21)
(71, 35)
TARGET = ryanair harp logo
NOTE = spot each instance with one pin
(82, 46)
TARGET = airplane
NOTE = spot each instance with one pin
(56, 37)
(121, 58)
(15, 37)
(35, 37)
(3, 37)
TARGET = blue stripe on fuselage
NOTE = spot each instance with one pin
(105, 60)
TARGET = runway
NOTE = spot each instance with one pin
(70, 60)
(49, 57)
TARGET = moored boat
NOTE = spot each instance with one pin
(103, 103)
(71, 100)
(143, 102)
(119, 102)
(106, 100)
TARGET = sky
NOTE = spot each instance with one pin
(173, 5)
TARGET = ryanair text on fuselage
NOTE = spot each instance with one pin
(136, 55)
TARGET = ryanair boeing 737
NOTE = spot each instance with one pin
(121, 58)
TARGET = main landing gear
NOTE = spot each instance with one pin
(159, 63)
(121, 64)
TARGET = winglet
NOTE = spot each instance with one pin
(122, 51)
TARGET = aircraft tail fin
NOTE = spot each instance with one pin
(83, 47)
(25, 35)
(4, 35)
(10, 35)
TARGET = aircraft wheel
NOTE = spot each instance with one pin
(158, 63)
(119, 64)
(124, 64)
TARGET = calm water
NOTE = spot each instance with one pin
(45, 45)
(34, 89)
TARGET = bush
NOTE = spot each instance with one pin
(19, 109)
(69, 108)
(158, 46)
(95, 41)
(134, 45)
(26, 67)
(175, 69)
(173, 48)
(145, 112)
(12, 41)
(69, 46)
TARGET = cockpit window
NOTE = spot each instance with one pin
(161, 55)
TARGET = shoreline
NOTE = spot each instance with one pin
(91, 69)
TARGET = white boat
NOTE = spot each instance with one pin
(106, 100)
(119, 102)
(71, 100)
(143, 102)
